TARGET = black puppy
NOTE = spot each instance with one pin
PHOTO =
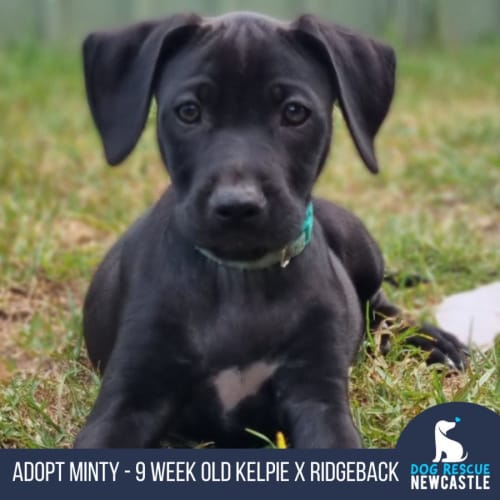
(237, 300)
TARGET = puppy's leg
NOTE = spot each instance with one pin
(317, 424)
(317, 411)
(361, 257)
(443, 347)
(143, 386)
(312, 388)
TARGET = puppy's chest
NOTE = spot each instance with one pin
(235, 384)
(240, 350)
(241, 334)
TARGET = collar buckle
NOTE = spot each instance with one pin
(285, 257)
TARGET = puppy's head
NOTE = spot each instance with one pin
(244, 114)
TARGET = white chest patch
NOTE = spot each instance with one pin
(235, 384)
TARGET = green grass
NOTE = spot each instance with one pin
(435, 209)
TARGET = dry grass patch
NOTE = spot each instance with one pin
(29, 312)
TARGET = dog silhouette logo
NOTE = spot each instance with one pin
(452, 450)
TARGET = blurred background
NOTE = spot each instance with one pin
(411, 21)
(434, 208)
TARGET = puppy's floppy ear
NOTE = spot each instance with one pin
(364, 70)
(119, 69)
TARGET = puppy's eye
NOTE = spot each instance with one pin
(294, 114)
(189, 112)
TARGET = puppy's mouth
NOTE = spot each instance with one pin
(250, 250)
(250, 241)
(239, 251)
(245, 242)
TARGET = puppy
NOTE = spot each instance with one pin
(238, 300)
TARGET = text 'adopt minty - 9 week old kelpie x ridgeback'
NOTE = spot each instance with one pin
(238, 300)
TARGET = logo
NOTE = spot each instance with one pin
(447, 472)
(450, 447)
(447, 449)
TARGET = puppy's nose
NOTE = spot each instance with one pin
(237, 203)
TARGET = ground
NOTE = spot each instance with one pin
(435, 209)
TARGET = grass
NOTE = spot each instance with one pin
(435, 209)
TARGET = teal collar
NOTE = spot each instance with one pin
(282, 256)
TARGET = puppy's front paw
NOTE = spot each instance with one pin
(443, 347)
